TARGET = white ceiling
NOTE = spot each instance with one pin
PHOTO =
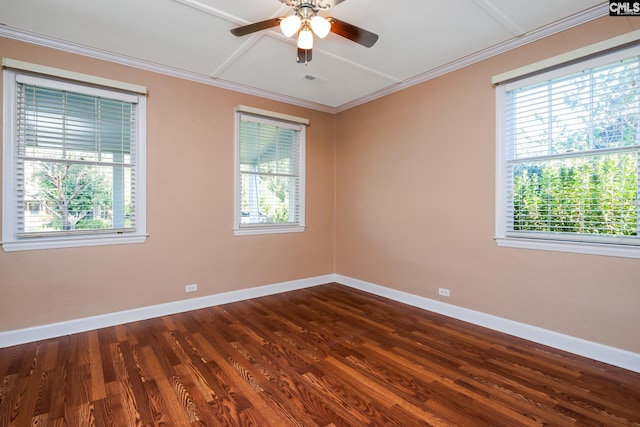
(190, 38)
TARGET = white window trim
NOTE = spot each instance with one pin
(256, 229)
(72, 75)
(502, 239)
(10, 242)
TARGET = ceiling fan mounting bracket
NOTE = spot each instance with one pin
(314, 5)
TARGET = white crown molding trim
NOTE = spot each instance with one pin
(28, 37)
(611, 355)
(530, 37)
(53, 330)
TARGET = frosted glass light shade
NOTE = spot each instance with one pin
(290, 25)
(320, 26)
(305, 38)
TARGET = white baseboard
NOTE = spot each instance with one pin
(611, 355)
(21, 336)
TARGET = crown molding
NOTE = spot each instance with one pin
(557, 27)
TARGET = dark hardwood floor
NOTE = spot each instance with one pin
(322, 356)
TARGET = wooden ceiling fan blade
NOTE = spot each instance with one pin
(303, 56)
(258, 26)
(351, 32)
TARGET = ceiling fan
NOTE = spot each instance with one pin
(305, 22)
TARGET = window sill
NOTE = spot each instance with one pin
(74, 242)
(248, 231)
(604, 249)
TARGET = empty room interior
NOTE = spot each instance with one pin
(400, 230)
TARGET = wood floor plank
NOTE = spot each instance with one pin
(98, 390)
(126, 391)
(102, 413)
(321, 356)
(114, 407)
(61, 390)
(13, 393)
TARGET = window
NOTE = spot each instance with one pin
(270, 157)
(73, 171)
(568, 146)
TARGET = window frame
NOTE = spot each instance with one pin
(84, 84)
(612, 246)
(269, 228)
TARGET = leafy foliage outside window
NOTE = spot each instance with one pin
(594, 195)
(273, 199)
(278, 189)
(72, 197)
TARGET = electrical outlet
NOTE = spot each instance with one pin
(191, 288)
(444, 292)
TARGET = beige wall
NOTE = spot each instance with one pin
(189, 211)
(415, 207)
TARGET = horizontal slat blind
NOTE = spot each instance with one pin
(74, 126)
(269, 152)
(571, 151)
(75, 159)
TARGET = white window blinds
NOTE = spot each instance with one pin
(74, 159)
(270, 173)
(570, 152)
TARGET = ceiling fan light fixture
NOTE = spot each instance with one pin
(290, 25)
(320, 26)
(305, 38)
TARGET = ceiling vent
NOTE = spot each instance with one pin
(311, 77)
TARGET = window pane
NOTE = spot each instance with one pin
(594, 195)
(270, 172)
(267, 199)
(75, 154)
(74, 126)
(63, 197)
(74, 163)
(268, 149)
(615, 105)
(591, 110)
(571, 148)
